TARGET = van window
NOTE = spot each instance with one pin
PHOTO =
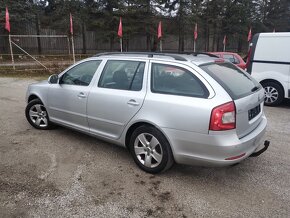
(236, 82)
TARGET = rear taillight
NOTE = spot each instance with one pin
(223, 117)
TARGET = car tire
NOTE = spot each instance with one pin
(37, 115)
(150, 150)
(274, 93)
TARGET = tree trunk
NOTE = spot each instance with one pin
(148, 42)
(218, 42)
(207, 38)
(240, 43)
(181, 27)
(181, 41)
(148, 36)
(37, 24)
(112, 43)
(214, 38)
(84, 38)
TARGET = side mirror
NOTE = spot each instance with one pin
(53, 79)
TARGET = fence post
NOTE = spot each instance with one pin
(73, 48)
(11, 53)
(68, 45)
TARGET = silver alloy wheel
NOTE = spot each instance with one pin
(148, 150)
(38, 115)
(271, 94)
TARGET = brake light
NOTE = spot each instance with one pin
(223, 117)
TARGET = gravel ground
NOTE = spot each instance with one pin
(63, 173)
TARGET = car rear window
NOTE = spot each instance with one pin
(235, 81)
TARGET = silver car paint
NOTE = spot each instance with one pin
(67, 104)
(183, 120)
(110, 110)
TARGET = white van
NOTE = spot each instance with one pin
(269, 63)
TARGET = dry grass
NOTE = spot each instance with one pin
(32, 72)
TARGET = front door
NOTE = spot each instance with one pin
(67, 100)
(116, 97)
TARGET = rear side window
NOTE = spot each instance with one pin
(169, 79)
(124, 75)
(235, 81)
(231, 58)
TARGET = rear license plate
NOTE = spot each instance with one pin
(254, 112)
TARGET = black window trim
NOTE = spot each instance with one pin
(206, 92)
(67, 70)
(105, 67)
(225, 87)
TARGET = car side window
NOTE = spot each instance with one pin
(237, 61)
(169, 79)
(82, 74)
(231, 58)
(122, 74)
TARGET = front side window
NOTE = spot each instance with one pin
(169, 79)
(82, 74)
(124, 75)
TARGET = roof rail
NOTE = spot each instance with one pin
(149, 54)
(194, 53)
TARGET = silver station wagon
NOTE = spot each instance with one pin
(185, 108)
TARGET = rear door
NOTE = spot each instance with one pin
(246, 92)
(116, 97)
(179, 98)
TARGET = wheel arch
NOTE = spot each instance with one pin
(32, 97)
(273, 81)
(137, 124)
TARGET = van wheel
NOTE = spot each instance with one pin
(274, 93)
(150, 150)
(37, 116)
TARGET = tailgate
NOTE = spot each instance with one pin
(249, 111)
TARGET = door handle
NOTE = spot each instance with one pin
(133, 102)
(82, 95)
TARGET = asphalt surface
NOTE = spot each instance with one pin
(63, 173)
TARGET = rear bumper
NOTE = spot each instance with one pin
(213, 149)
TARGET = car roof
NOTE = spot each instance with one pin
(275, 34)
(224, 52)
(196, 58)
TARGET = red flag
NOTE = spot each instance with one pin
(225, 40)
(71, 24)
(195, 32)
(7, 23)
(250, 35)
(159, 31)
(120, 30)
